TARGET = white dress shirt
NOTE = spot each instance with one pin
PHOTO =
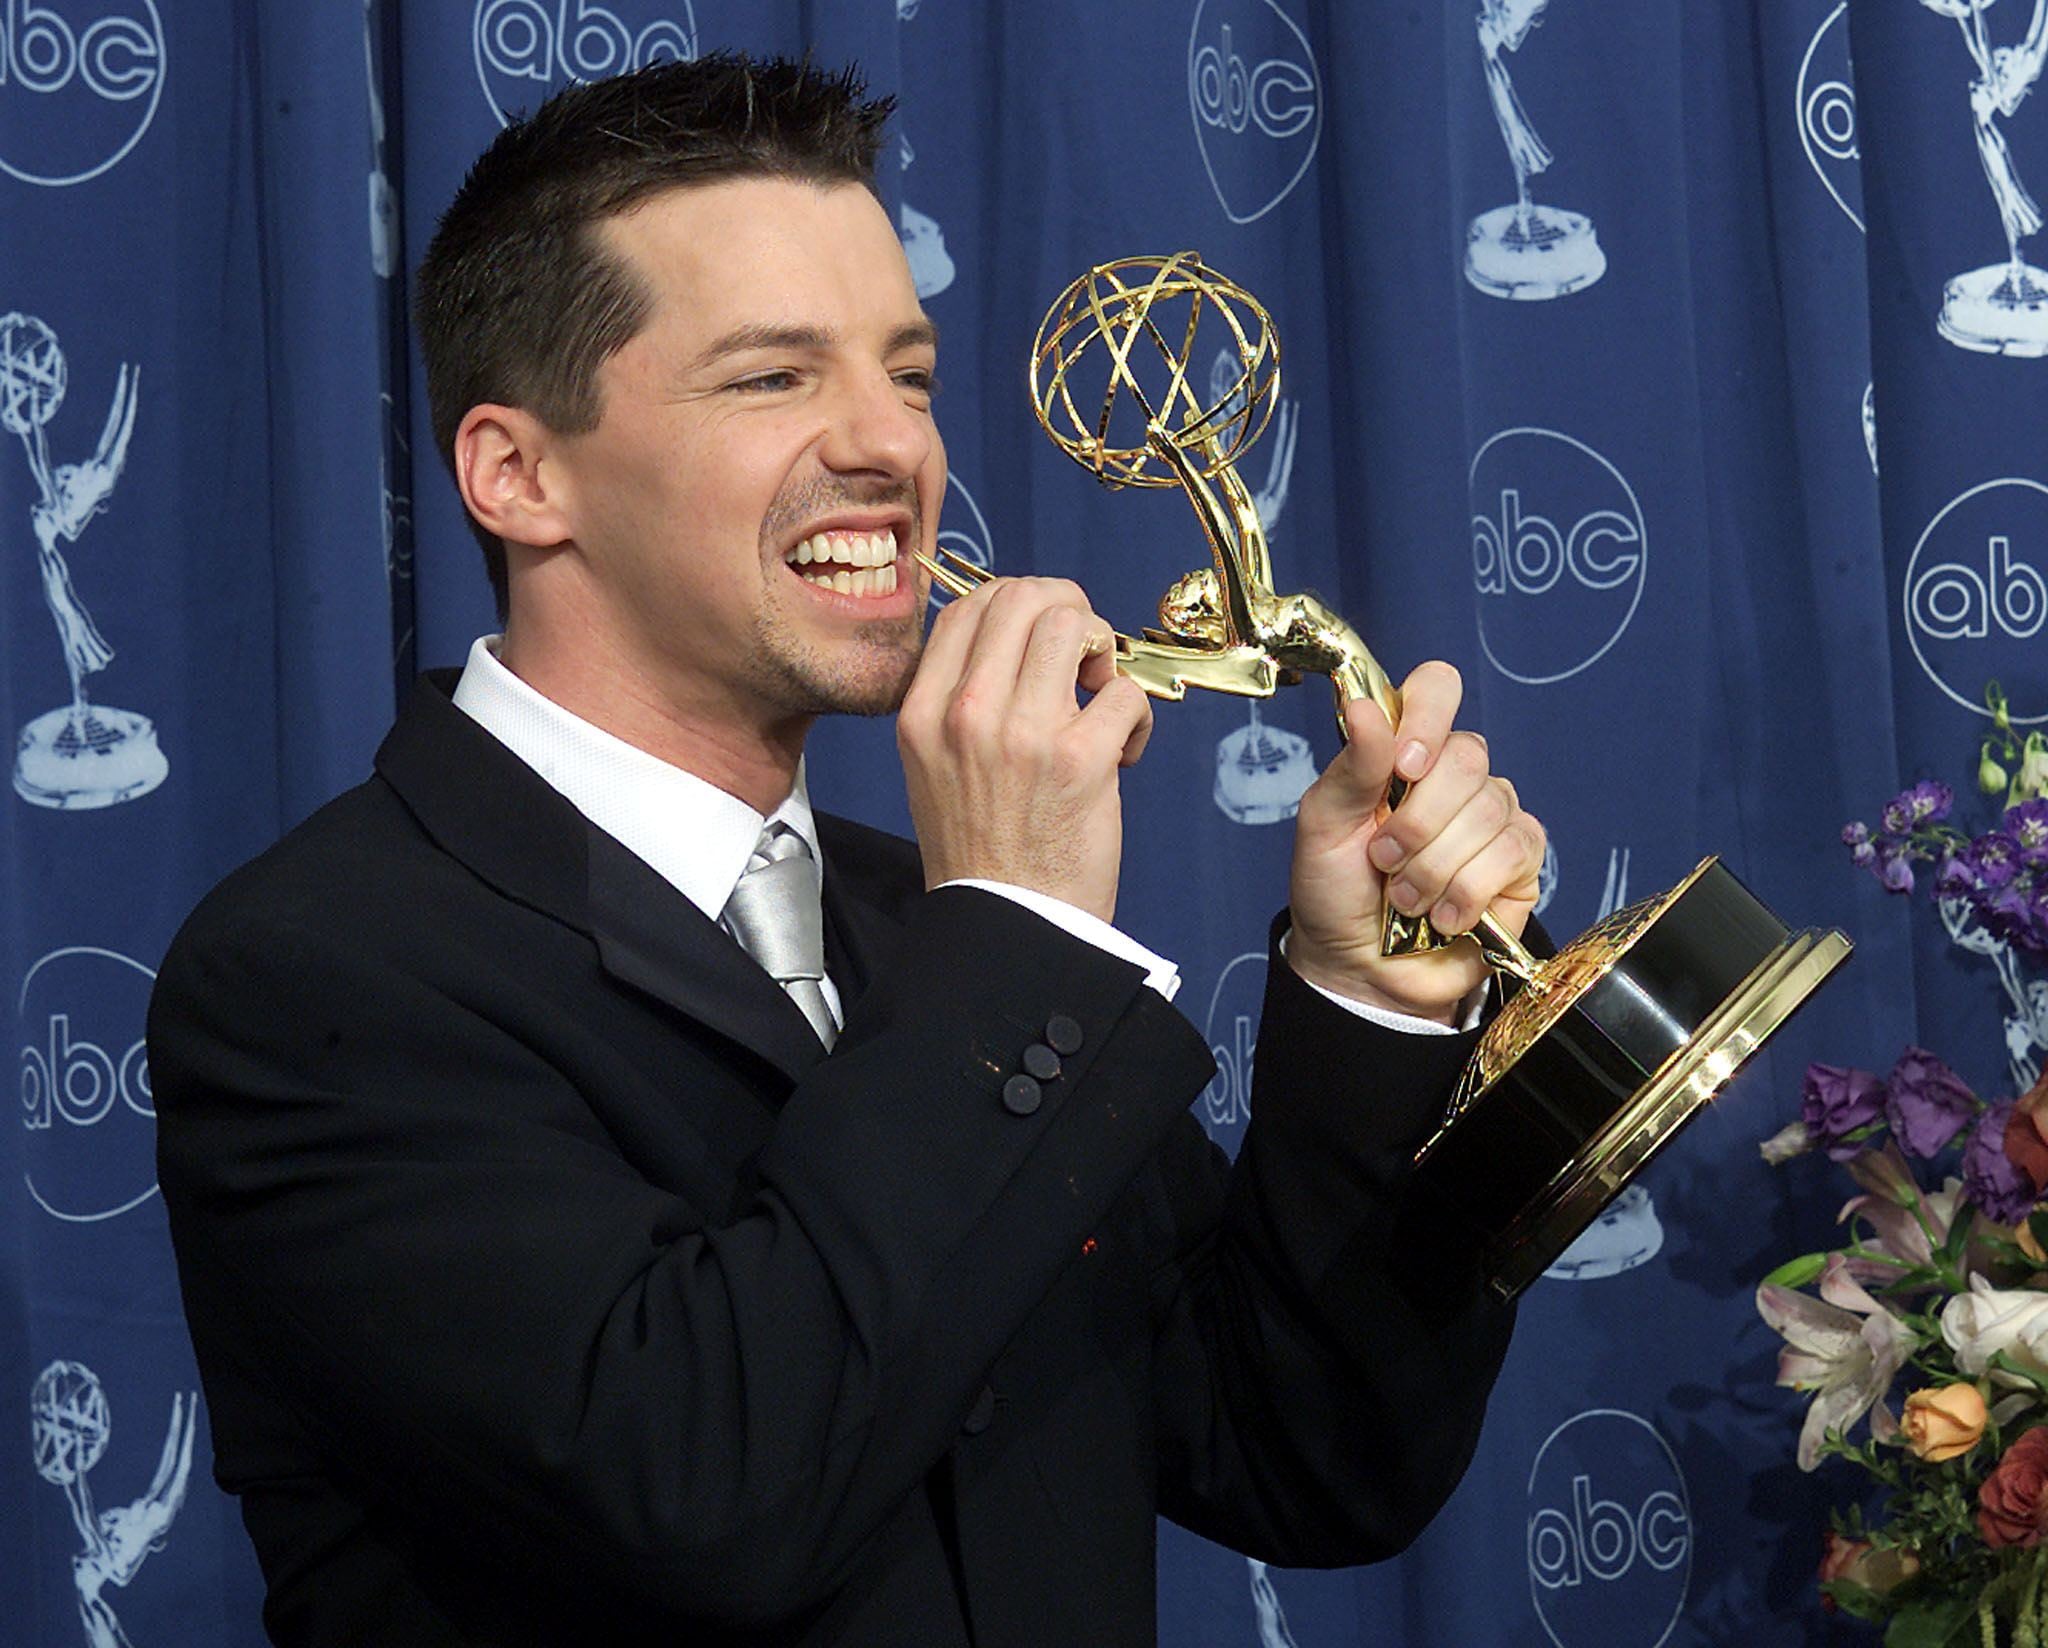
(698, 838)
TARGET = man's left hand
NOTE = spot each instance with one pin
(1458, 845)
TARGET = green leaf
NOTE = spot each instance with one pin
(1795, 1273)
(1859, 1600)
(1932, 1622)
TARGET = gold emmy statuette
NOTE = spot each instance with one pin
(1603, 1051)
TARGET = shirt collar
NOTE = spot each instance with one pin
(694, 835)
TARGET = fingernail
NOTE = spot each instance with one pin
(1413, 759)
(1446, 916)
(1405, 897)
(1385, 853)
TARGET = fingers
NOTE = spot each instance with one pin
(1119, 719)
(1486, 848)
(1429, 709)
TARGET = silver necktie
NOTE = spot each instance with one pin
(775, 914)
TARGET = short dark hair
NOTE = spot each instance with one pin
(519, 302)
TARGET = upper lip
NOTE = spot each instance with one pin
(896, 521)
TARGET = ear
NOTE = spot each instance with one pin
(507, 482)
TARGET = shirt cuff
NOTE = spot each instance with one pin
(1406, 1023)
(1160, 973)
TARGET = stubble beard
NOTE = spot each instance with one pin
(868, 673)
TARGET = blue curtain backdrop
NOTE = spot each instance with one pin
(1727, 505)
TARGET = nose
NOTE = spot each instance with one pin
(874, 429)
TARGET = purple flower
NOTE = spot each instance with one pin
(2017, 913)
(1995, 857)
(1926, 1103)
(1924, 802)
(1836, 1102)
(2027, 825)
(1990, 1179)
(1955, 876)
(1893, 867)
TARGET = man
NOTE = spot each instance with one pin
(551, 1281)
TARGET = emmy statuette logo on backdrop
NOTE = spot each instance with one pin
(1560, 554)
(2001, 309)
(87, 1110)
(82, 755)
(1610, 1533)
(1524, 251)
(70, 1424)
(80, 81)
(1257, 101)
(1975, 598)
(383, 199)
(526, 50)
(924, 242)
(1261, 771)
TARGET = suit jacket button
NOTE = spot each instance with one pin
(1042, 1062)
(1063, 1034)
(1021, 1095)
(980, 1415)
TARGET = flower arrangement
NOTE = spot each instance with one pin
(1942, 1291)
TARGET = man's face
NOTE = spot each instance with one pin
(745, 512)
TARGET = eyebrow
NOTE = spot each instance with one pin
(764, 335)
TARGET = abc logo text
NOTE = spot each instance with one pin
(1610, 1534)
(1560, 554)
(1257, 102)
(86, 1106)
(79, 85)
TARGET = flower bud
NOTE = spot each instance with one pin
(1990, 777)
(1943, 1422)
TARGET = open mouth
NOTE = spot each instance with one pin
(847, 563)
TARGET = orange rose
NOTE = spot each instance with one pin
(2023, 1233)
(2026, 1134)
(1943, 1422)
(1855, 1561)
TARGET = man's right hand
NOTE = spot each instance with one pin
(1011, 779)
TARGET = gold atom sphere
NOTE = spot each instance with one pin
(1133, 328)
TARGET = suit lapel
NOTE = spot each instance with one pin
(656, 940)
(487, 808)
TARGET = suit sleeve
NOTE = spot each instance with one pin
(1325, 1343)
(398, 1215)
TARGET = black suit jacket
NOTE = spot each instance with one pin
(550, 1284)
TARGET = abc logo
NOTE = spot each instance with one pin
(527, 50)
(1233, 1023)
(79, 85)
(1257, 103)
(1559, 554)
(968, 537)
(85, 1100)
(1610, 1533)
(1827, 113)
(1976, 598)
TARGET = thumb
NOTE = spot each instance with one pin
(1355, 782)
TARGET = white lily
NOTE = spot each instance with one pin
(1845, 1347)
(1980, 1324)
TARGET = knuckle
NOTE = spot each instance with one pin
(1466, 752)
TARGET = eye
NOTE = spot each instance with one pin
(920, 380)
(765, 383)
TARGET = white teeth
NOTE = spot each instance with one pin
(862, 563)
